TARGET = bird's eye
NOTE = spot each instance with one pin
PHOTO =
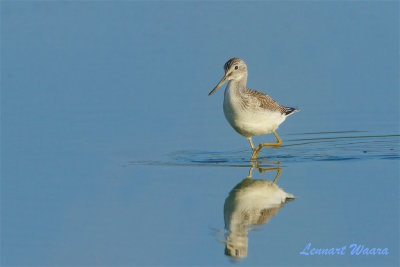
(236, 67)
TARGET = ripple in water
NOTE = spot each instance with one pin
(328, 146)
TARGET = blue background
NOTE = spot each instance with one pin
(98, 98)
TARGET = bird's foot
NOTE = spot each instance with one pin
(255, 152)
(260, 146)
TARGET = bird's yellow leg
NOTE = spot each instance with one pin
(261, 145)
(255, 152)
(278, 141)
(251, 142)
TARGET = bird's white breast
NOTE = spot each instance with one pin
(249, 120)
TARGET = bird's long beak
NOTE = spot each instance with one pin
(221, 82)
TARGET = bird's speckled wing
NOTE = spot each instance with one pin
(264, 101)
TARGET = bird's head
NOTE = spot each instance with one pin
(235, 70)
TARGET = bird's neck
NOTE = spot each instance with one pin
(239, 86)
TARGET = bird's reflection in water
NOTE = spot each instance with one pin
(251, 202)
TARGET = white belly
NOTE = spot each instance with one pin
(250, 121)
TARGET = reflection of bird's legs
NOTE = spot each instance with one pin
(250, 172)
(261, 145)
(278, 172)
(262, 170)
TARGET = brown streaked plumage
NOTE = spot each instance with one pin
(264, 101)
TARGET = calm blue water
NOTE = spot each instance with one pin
(113, 154)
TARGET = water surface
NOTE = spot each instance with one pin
(113, 154)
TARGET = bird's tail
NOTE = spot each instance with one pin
(290, 111)
(289, 197)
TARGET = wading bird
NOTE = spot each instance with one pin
(250, 112)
